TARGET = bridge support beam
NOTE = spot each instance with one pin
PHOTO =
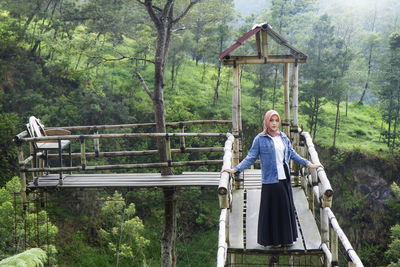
(325, 232)
(236, 119)
(286, 99)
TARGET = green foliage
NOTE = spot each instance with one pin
(37, 228)
(371, 254)
(393, 252)
(72, 63)
(34, 257)
(122, 231)
(395, 190)
(8, 158)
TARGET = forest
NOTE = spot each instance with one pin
(104, 62)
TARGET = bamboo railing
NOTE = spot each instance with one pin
(224, 192)
(94, 135)
(225, 198)
(322, 194)
(317, 189)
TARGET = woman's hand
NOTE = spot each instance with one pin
(228, 170)
(314, 166)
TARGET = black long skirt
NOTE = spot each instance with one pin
(276, 220)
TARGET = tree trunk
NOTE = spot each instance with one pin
(168, 241)
(221, 41)
(204, 72)
(371, 47)
(316, 117)
(369, 72)
(336, 122)
(274, 94)
(163, 22)
(217, 86)
(172, 73)
(396, 118)
(313, 115)
(168, 255)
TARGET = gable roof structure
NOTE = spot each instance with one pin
(262, 32)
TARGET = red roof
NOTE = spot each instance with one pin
(240, 41)
(275, 35)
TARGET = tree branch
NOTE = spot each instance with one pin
(167, 8)
(121, 58)
(192, 3)
(153, 6)
(144, 85)
(149, 7)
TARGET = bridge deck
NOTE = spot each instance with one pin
(127, 180)
(243, 221)
(243, 218)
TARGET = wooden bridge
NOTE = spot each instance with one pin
(239, 196)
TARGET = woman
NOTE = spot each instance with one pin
(276, 220)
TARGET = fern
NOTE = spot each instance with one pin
(31, 258)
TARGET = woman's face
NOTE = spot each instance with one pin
(274, 123)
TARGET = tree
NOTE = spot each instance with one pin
(164, 20)
(372, 42)
(122, 230)
(389, 94)
(318, 70)
(289, 18)
(341, 60)
(393, 251)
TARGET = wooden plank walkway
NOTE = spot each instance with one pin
(245, 216)
(127, 180)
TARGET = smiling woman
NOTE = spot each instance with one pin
(276, 223)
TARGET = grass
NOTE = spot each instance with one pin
(359, 130)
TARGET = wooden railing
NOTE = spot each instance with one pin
(318, 190)
(225, 202)
(27, 166)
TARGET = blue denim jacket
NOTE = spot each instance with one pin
(263, 147)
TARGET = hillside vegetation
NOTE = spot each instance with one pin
(75, 63)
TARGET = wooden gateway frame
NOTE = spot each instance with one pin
(262, 34)
(313, 188)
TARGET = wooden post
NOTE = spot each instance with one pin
(168, 147)
(32, 152)
(61, 163)
(324, 230)
(222, 236)
(328, 255)
(223, 188)
(236, 126)
(291, 261)
(258, 42)
(236, 117)
(83, 153)
(311, 196)
(295, 95)
(22, 174)
(264, 45)
(286, 98)
(334, 248)
(96, 142)
(182, 139)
